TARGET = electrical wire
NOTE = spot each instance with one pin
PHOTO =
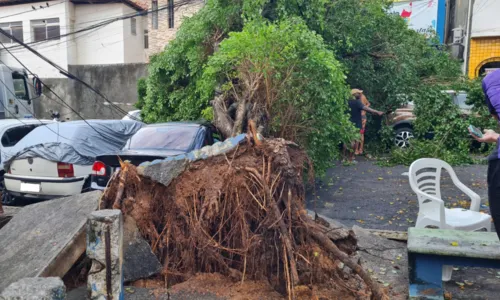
(50, 90)
(111, 20)
(28, 11)
(32, 113)
(64, 72)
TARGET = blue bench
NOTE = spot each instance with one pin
(430, 249)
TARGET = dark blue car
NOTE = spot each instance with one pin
(156, 141)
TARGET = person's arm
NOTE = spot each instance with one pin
(372, 111)
(489, 137)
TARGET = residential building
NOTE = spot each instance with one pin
(52, 28)
(165, 19)
(484, 52)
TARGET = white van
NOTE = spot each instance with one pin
(16, 93)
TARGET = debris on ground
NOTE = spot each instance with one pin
(242, 215)
(45, 239)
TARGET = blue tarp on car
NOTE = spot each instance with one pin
(75, 142)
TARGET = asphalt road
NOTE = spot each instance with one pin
(377, 197)
(381, 198)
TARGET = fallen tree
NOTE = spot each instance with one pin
(243, 215)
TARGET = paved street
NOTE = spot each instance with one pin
(381, 198)
(377, 197)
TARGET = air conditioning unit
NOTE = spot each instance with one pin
(458, 35)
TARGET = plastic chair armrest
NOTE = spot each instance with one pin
(475, 199)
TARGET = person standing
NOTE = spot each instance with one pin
(491, 90)
(356, 108)
(361, 144)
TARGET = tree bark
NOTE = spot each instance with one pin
(222, 121)
(327, 244)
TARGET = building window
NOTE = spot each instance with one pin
(133, 26)
(170, 13)
(154, 17)
(13, 28)
(146, 39)
(47, 29)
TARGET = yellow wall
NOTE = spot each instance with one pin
(483, 50)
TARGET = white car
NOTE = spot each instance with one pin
(56, 160)
(133, 115)
(11, 132)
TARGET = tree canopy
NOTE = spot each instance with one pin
(288, 65)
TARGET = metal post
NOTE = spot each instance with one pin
(105, 248)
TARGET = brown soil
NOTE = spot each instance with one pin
(243, 215)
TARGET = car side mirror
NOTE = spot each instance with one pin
(37, 84)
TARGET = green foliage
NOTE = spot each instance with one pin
(174, 73)
(141, 92)
(326, 39)
(437, 114)
(299, 67)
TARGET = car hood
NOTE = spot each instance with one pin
(136, 156)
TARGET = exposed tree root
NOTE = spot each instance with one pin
(243, 215)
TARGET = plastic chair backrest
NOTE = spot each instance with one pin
(425, 178)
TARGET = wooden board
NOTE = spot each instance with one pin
(45, 239)
(454, 243)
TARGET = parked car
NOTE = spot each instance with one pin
(402, 118)
(11, 132)
(156, 141)
(56, 160)
(133, 115)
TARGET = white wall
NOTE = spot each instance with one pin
(54, 50)
(101, 46)
(134, 44)
(111, 44)
(486, 18)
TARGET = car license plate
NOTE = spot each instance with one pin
(30, 187)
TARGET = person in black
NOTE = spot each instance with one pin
(356, 106)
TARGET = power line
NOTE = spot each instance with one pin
(50, 90)
(32, 113)
(63, 71)
(28, 11)
(112, 20)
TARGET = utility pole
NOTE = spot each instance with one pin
(468, 37)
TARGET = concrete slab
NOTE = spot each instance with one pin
(45, 239)
(138, 260)
(134, 293)
(8, 213)
(454, 243)
(385, 260)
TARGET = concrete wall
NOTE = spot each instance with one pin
(485, 18)
(117, 82)
(159, 38)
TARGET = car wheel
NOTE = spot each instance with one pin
(7, 198)
(403, 136)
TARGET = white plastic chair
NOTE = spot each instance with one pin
(425, 178)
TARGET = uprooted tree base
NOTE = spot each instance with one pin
(243, 215)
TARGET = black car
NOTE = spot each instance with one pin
(156, 141)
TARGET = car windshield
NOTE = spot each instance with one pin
(167, 137)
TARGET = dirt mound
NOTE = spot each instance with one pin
(243, 215)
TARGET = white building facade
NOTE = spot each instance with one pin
(52, 28)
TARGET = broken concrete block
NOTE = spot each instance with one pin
(139, 261)
(37, 288)
(165, 171)
(45, 239)
(104, 248)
